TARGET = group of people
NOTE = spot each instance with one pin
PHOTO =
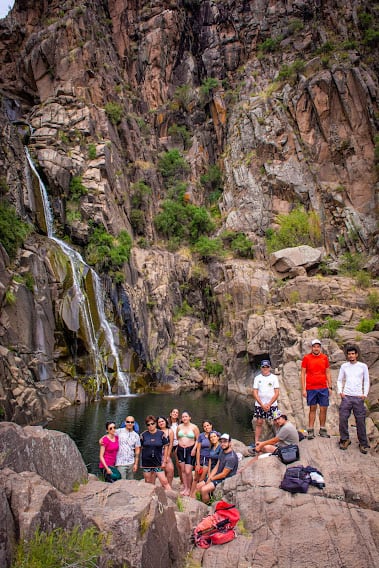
(203, 459)
(353, 385)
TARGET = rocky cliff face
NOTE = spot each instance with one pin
(262, 107)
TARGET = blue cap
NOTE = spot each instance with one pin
(265, 363)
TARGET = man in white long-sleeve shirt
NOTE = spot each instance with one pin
(353, 384)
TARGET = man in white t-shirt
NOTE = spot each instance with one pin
(266, 392)
(353, 384)
(129, 449)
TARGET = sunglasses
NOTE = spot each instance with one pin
(129, 422)
(111, 427)
(150, 423)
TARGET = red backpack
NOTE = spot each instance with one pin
(217, 528)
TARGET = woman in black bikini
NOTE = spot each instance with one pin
(187, 434)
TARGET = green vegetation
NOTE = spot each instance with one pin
(209, 249)
(183, 96)
(172, 165)
(329, 328)
(75, 548)
(206, 89)
(351, 263)
(212, 182)
(214, 368)
(181, 134)
(184, 310)
(26, 279)
(363, 279)
(290, 72)
(77, 189)
(114, 112)
(269, 45)
(373, 303)
(106, 252)
(366, 325)
(10, 297)
(297, 228)
(239, 243)
(183, 221)
(92, 153)
(138, 221)
(13, 231)
(140, 192)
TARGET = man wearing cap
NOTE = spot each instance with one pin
(316, 384)
(226, 466)
(285, 435)
(266, 392)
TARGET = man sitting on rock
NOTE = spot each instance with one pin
(226, 466)
(285, 435)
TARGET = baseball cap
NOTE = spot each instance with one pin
(265, 363)
(276, 414)
(315, 341)
(225, 437)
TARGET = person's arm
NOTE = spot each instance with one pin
(340, 378)
(102, 459)
(196, 431)
(137, 451)
(260, 445)
(303, 376)
(274, 398)
(198, 449)
(366, 382)
(222, 475)
(256, 396)
(329, 378)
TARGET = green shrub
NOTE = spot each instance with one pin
(239, 243)
(107, 252)
(270, 45)
(114, 112)
(75, 548)
(13, 231)
(209, 249)
(137, 221)
(10, 297)
(297, 228)
(183, 96)
(140, 192)
(184, 310)
(214, 368)
(373, 302)
(180, 133)
(207, 87)
(371, 37)
(172, 165)
(92, 152)
(365, 19)
(363, 279)
(291, 71)
(366, 325)
(77, 189)
(212, 182)
(329, 328)
(183, 221)
(351, 263)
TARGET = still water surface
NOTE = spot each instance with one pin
(85, 424)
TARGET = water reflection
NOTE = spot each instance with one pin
(85, 424)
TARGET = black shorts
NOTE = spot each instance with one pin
(184, 455)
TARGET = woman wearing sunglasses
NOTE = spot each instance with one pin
(108, 451)
(155, 447)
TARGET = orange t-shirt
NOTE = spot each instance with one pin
(315, 366)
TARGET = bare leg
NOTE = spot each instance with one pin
(187, 479)
(323, 411)
(206, 490)
(312, 415)
(163, 480)
(169, 469)
(149, 477)
(258, 429)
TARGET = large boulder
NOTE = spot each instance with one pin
(286, 260)
(53, 455)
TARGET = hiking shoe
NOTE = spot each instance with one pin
(364, 449)
(324, 433)
(344, 444)
(311, 433)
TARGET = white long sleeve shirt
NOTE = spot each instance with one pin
(353, 379)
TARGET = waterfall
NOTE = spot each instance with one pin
(79, 270)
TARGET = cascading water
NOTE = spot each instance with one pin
(79, 270)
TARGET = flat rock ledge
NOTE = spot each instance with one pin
(147, 527)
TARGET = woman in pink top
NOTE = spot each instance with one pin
(108, 450)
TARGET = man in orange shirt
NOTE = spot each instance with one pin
(316, 384)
